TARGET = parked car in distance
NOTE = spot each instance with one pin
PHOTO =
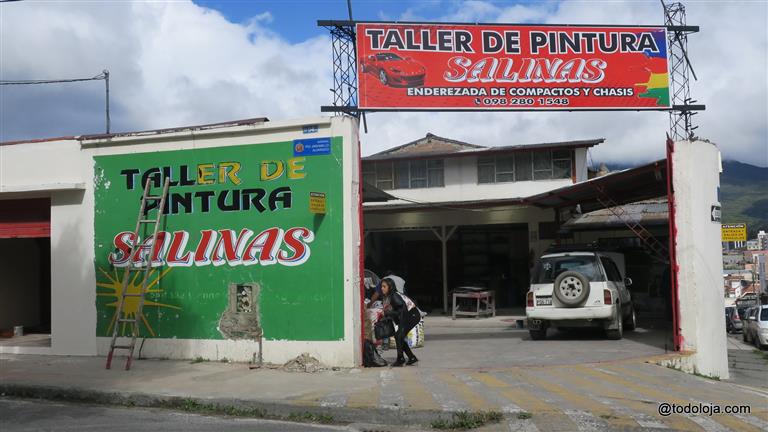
(756, 326)
(580, 289)
(393, 70)
(733, 321)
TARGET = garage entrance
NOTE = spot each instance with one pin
(25, 273)
(649, 273)
(624, 212)
(627, 212)
(491, 257)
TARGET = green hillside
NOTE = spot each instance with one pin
(744, 195)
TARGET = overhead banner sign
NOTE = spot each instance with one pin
(734, 232)
(511, 67)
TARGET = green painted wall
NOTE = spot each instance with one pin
(298, 300)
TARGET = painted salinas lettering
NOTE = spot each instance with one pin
(216, 247)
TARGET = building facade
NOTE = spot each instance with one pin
(462, 204)
(241, 252)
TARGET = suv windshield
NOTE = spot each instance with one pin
(549, 268)
(764, 314)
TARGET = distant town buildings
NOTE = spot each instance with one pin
(744, 267)
(762, 240)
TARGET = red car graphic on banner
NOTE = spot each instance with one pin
(393, 70)
(434, 66)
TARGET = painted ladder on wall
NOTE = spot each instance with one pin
(143, 220)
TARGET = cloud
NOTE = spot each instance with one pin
(729, 56)
(171, 64)
(176, 63)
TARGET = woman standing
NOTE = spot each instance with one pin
(405, 314)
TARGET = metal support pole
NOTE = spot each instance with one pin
(444, 241)
(443, 237)
(106, 81)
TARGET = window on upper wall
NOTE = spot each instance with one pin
(542, 165)
(561, 164)
(405, 174)
(369, 173)
(524, 166)
(384, 175)
(435, 173)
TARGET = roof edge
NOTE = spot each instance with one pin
(428, 135)
(144, 133)
(486, 150)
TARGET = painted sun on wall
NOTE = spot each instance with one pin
(235, 215)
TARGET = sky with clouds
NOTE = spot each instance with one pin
(178, 63)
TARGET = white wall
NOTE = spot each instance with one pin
(41, 168)
(696, 178)
(581, 164)
(460, 175)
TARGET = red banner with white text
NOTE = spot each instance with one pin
(511, 67)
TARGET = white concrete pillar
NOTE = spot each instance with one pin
(696, 180)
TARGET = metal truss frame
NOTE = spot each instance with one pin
(344, 68)
(680, 70)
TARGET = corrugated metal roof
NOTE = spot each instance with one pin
(373, 194)
(648, 212)
(627, 186)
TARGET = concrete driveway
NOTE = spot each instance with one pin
(494, 343)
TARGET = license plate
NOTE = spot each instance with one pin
(543, 301)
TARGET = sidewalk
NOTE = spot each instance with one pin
(620, 395)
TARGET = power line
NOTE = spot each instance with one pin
(104, 75)
(101, 76)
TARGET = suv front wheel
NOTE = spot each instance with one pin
(618, 332)
(631, 322)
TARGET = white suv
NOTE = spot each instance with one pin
(580, 289)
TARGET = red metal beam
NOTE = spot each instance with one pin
(673, 267)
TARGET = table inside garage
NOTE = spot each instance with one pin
(485, 302)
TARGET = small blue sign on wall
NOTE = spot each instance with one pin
(312, 147)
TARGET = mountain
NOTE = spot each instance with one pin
(743, 194)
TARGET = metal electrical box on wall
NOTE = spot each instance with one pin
(235, 213)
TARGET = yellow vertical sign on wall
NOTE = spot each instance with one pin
(317, 202)
(734, 232)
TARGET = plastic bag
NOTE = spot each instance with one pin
(415, 337)
(371, 357)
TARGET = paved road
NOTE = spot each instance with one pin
(747, 367)
(22, 415)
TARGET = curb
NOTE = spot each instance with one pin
(271, 409)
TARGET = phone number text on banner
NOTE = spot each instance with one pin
(511, 67)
